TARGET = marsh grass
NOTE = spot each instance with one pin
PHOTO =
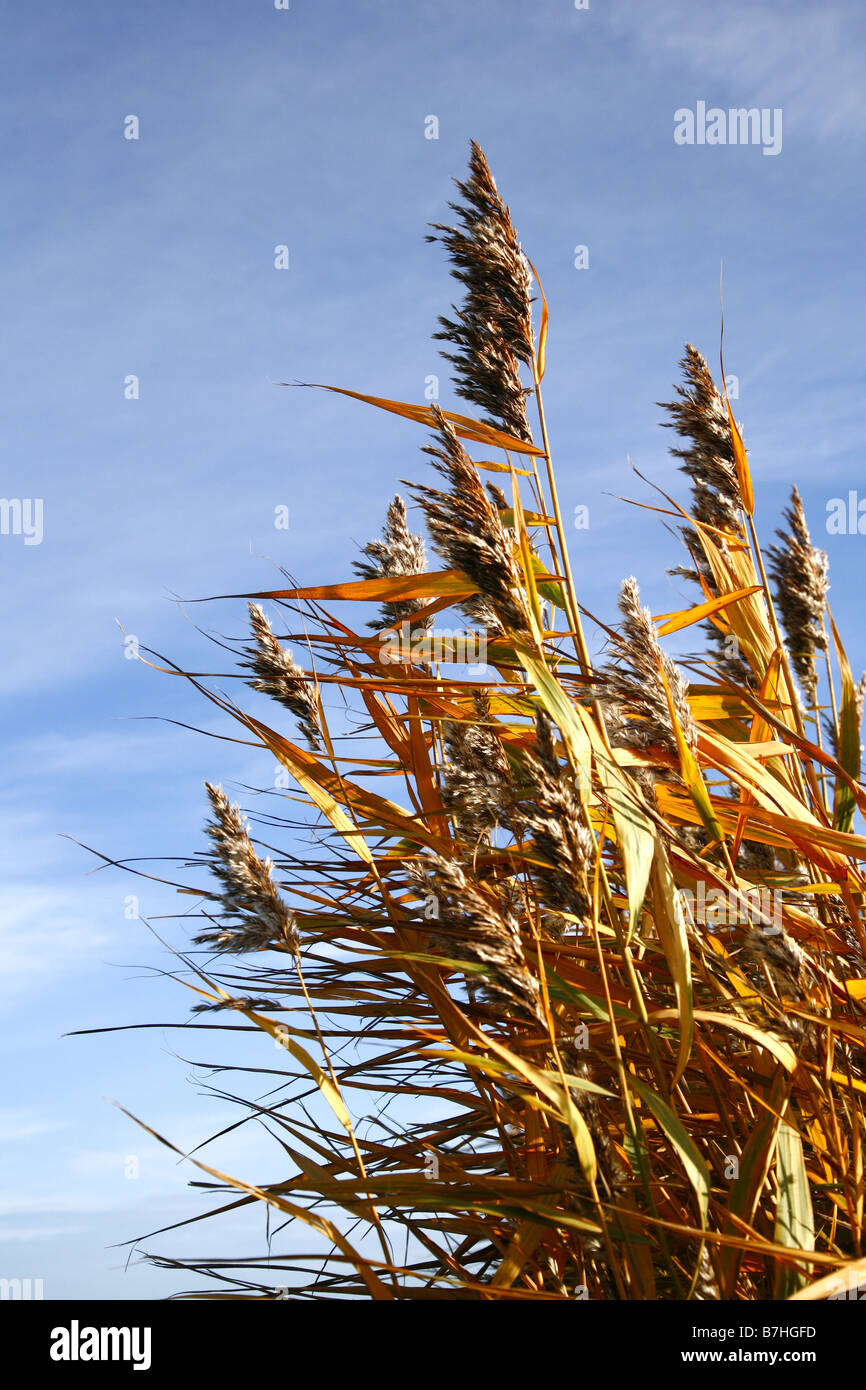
(581, 1084)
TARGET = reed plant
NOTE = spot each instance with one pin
(568, 997)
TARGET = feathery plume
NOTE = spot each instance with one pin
(551, 815)
(476, 776)
(474, 927)
(707, 1287)
(399, 552)
(756, 860)
(468, 533)
(632, 679)
(500, 501)
(249, 897)
(701, 416)
(780, 954)
(279, 677)
(799, 572)
(492, 332)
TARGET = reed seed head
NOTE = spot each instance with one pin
(781, 955)
(551, 815)
(468, 533)
(799, 572)
(278, 676)
(632, 679)
(701, 416)
(492, 332)
(399, 552)
(249, 898)
(476, 777)
(475, 927)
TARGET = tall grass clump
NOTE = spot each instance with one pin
(568, 997)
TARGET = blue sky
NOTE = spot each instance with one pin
(155, 257)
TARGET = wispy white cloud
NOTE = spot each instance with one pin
(45, 933)
(31, 1233)
(25, 1122)
(803, 58)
